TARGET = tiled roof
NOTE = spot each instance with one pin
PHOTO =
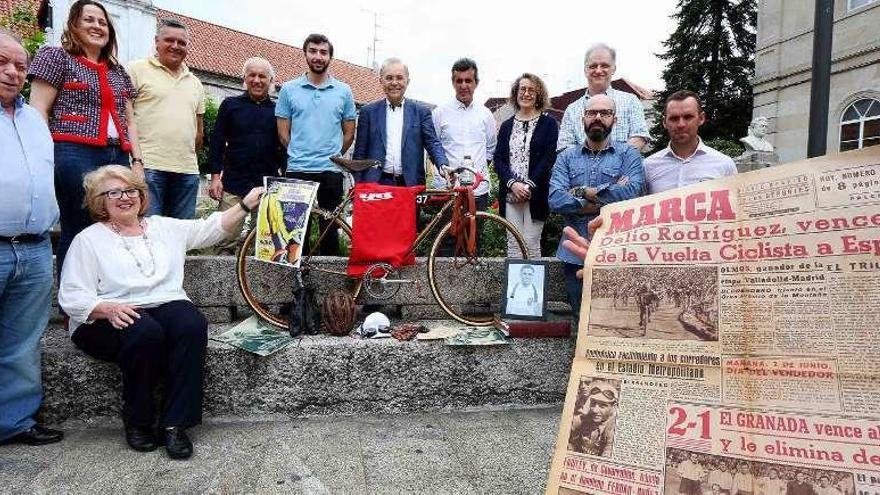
(222, 50)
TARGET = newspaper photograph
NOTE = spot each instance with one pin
(728, 339)
(282, 220)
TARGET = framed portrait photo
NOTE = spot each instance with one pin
(524, 295)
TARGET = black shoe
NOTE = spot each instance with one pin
(177, 444)
(141, 438)
(36, 435)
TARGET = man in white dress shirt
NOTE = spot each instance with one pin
(466, 129)
(687, 159)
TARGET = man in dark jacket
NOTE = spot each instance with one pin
(396, 132)
(244, 147)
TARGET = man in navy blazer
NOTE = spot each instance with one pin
(396, 132)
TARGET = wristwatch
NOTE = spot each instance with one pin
(137, 160)
(244, 206)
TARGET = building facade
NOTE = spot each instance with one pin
(783, 64)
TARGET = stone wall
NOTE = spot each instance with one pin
(323, 374)
(211, 284)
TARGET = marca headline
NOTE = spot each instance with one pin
(666, 226)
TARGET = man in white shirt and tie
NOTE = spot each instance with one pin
(465, 129)
(687, 159)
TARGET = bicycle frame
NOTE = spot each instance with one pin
(422, 200)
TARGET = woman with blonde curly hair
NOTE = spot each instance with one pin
(122, 287)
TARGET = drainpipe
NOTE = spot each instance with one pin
(820, 83)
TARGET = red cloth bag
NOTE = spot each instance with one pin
(383, 226)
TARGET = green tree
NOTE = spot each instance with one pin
(711, 52)
(210, 117)
(22, 21)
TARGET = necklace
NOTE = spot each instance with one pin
(130, 249)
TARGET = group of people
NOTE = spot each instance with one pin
(112, 152)
(718, 476)
(120, 144)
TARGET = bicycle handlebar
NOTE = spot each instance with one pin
(478, 177)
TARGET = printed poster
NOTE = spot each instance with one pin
(282, 220)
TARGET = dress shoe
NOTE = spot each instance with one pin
(36, 435)
(141, 438)
(177, 444)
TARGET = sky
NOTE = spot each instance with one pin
(546, 37)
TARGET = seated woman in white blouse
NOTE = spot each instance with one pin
(122, 288)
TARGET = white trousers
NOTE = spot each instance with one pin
(519, 215)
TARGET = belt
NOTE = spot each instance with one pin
(398, 179)
(23, 238)
(114, 142)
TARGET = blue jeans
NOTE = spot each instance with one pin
(72, 162)
(574, 288)
(25, 291)
(172, 194)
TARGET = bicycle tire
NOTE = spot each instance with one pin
(259, 285)
(455, 273)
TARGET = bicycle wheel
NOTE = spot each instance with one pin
(480, 280)
(267, 287)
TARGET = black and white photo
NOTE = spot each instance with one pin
(524, 297)
(655, 302)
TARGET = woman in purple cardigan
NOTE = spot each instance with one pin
(523, 159)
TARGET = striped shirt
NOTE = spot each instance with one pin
(630, 120)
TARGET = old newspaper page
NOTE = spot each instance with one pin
(729, 341)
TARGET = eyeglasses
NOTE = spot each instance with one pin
(528, 91)
(601, 113)
(608, 394)
(118, 193)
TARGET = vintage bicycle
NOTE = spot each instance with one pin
(264, 286)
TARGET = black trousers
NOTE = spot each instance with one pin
(167, 342)
(329, 197)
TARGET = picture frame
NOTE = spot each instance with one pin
(524, 297)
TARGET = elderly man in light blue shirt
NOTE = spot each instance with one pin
(316, 120)
(599, 171)
(600, 63)
(687, 159)
(27, 212)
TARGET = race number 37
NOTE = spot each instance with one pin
(680, 423)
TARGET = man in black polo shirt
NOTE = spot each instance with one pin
(244, 146)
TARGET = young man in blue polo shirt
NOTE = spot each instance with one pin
(316, 120)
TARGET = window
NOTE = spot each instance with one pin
(860, 125)
(854, 4)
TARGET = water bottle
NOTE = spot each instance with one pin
(466, 177)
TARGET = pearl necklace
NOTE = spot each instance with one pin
(130, 250)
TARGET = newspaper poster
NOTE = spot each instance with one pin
(256, 336)
(282, 220)
(728, 340)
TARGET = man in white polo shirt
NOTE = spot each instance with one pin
(687, 159)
